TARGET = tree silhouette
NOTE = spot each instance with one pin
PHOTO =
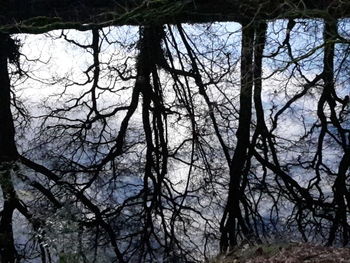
(183, 142)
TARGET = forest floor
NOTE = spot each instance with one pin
(287, 253)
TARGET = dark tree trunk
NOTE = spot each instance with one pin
(8, 150)
(8, 154)
(329, 95)
(233, 220)
(7, 248)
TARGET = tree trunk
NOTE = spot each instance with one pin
(233, 221)
(8, 154)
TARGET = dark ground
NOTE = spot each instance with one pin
(287, 253)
